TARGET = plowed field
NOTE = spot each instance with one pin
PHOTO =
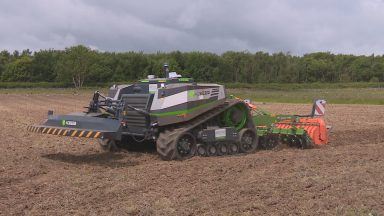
(50, 175)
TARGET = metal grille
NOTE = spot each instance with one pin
(132, 117)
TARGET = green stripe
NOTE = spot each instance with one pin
(184, 79)
(184, 111)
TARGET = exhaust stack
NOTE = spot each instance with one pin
(166, 70)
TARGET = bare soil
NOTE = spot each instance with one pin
(45, 175)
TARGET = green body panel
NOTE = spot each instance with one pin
(265, 123)
(288, 131)
(239, 123)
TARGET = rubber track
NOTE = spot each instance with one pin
(166, 141)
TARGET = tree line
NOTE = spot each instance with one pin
(81, 65)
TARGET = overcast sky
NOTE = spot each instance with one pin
(296, 26)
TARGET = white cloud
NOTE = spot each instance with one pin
(296, 26)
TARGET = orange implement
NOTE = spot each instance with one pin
(315, 128)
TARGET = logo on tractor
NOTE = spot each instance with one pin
(70, 123)
(191, 93)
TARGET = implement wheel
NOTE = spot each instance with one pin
(301, 141)
(295, 141)
(307, 142)
(271, 142)
(248, 141)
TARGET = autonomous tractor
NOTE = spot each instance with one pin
(183, 118)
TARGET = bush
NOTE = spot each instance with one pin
(34, 85)
(296, 86)
(374, 80)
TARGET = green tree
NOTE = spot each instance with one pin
(43, 65)
(75, 65)
(79, 65)
(5, 58)
(18, 70)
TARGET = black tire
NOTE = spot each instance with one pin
(164, 145)
(109, 145)
(173, 146)
(248, 141)
(185, 146)
(222, 149)
(233, 148)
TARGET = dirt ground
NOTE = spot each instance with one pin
(45, 175)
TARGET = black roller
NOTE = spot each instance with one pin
(295, 141)
(271, 142)
(201, 150)
(233, 148)
(222, 149)
(212, 150)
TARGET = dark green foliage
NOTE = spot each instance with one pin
(11, 85)
(18, 70)
(79, 64)
(43, 66)
(76, 65)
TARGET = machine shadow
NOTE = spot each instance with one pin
(131, 145)
(107, 159)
